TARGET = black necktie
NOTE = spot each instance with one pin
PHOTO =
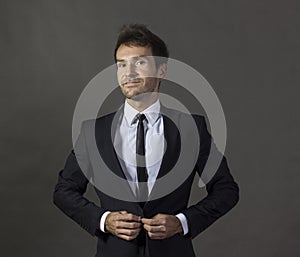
(140, 159)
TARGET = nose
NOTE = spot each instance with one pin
(130, 69)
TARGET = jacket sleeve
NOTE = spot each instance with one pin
(222, 190)
(71, 186)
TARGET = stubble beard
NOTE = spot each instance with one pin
(140, 91)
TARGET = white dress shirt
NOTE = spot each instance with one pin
(125, 146)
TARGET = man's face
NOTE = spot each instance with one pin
(136, 70)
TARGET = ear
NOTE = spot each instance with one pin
(162, 71)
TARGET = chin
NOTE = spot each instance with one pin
(132, 96)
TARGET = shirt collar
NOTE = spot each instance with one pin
(152, 113)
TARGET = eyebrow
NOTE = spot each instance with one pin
(134, 57)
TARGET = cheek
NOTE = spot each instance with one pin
(149, 82)
(119, 77)
(146, 71)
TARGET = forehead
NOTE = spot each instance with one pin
(125, 52)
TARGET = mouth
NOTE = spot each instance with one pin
(131, 83)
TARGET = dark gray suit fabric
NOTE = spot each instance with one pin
(223, 191)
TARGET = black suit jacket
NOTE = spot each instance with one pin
(222, 190)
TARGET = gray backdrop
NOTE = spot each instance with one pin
(247, 50)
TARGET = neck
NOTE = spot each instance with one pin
(142, 102)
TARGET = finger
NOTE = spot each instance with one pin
(147, 227)
(156, 235)
(127, 232)
(152, 222)
(155, 229)
(130, 225)
(125, 237)
(160, 216)
(129, 217)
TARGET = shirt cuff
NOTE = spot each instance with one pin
(102, 221)
(183, 222)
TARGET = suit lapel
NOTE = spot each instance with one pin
(106, 130)
(106, 146)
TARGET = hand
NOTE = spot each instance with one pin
(162, 226)
(123, 224)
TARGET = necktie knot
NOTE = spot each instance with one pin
(140, 117)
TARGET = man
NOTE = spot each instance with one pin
(153, 227)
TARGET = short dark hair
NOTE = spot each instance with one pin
(140, 35)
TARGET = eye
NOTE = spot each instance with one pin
(140, 62)
(121, 64)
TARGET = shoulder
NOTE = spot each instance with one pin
(99, 122)
(106, 117)
(180, 117)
